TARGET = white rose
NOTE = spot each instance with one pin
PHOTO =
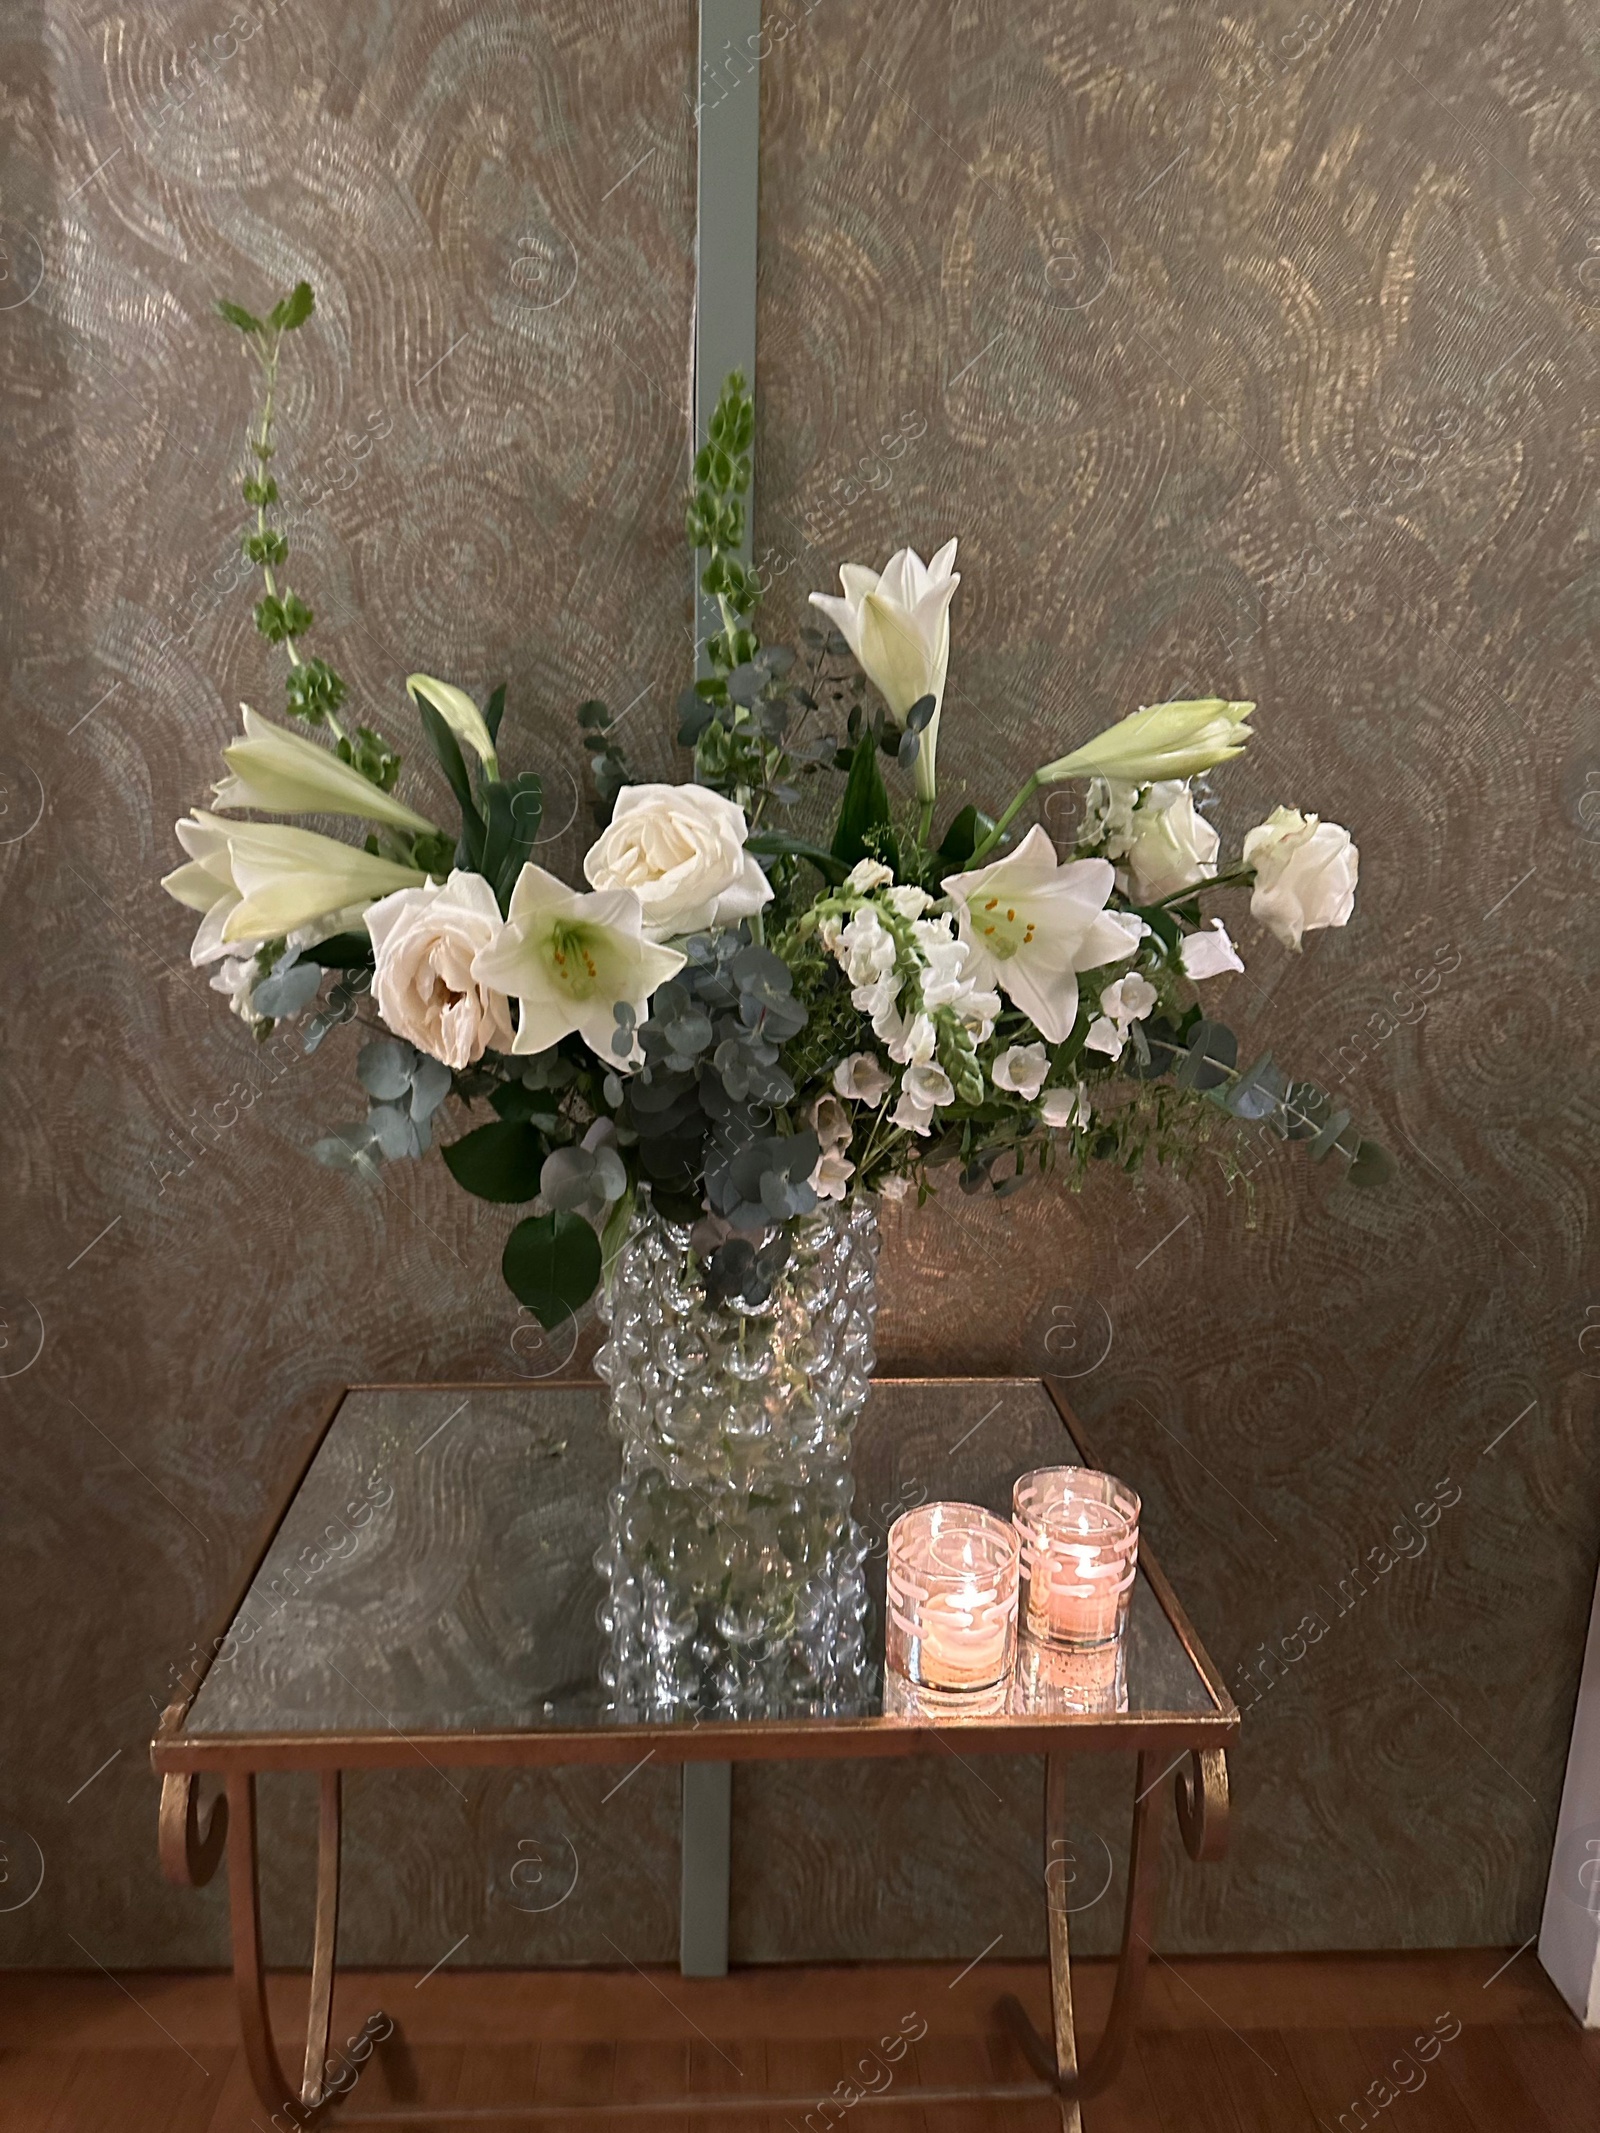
(1169, 846)
(1209, 953)
(1021, 1068)
(862, 1078)
(1065, 1107)
(680, 849)
(423, 941)
(1305, 874)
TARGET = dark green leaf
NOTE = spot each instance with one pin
(294, 309)
(514, 1099)
(236, 315)
(340, 951)
(552, 1264)
(865, 805)
(1212, 1055)
(1328, 1137)
(964, 836)
(1372, 1166)
(494, 711)
(447, 749)
(771, 844)
(500, 1161)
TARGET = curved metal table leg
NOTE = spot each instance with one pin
(249, 1973)
(1201, 1794)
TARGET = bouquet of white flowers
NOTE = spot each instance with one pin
(742, 1015)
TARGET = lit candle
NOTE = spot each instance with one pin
(1079, 1536)
(952, 1598)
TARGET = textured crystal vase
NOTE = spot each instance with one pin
(733, 1565)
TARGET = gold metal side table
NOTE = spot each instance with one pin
(317, 1668)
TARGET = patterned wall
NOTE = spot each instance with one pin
(1248, 351)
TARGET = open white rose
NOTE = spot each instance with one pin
(680, 849)
(1169, 845)
(423, 942)
(1305, 874)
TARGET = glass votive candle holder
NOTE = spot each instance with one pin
(951, 1608)
(1057, 1679)
(1078, 1533)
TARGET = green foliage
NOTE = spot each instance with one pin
(865, 806)
(369, 753)
(294, 309)
(278, 620)
(236, 315)
(447, 748)
(552, 1264)
(500, 1161)
(962, 838)
(715, 522)
(314, 690)
(607, 762)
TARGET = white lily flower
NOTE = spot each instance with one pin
(460, 714)
(1160, 741)
(205, 883)
(282, 773)
(569, 960)
(897, 623)
(287, 878)
(1031, 924)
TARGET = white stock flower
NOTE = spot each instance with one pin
(423, 942)
(867, 875)
(1062, 1108)
(680, 850)
(1032, 924)
(1161, 741)
(1209, 953)
(459, 713)
(266, 878)
(1169, 845)
(1122, 1004)
(1305, 874)
(897, 623)
(281, 773)
(1021, 1068)
(569, 960)
(862, 1078)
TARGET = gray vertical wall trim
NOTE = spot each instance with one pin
(707, 1834)
(728, 114)
(728, 118)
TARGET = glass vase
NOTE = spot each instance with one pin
(734, 1569)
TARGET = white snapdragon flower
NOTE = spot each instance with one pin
(1122, 1004)
(862, 1078)
(1305, 874)
(1208, 953)
(916, 1043)
(1063, 1108)
(831, 1122)
(867, 875)
(908, 900)
(1021, 1068)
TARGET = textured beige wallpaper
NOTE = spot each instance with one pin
(1248, 351)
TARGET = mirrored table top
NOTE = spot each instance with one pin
(430, 1591)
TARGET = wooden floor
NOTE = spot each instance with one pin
(1228, 2045)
